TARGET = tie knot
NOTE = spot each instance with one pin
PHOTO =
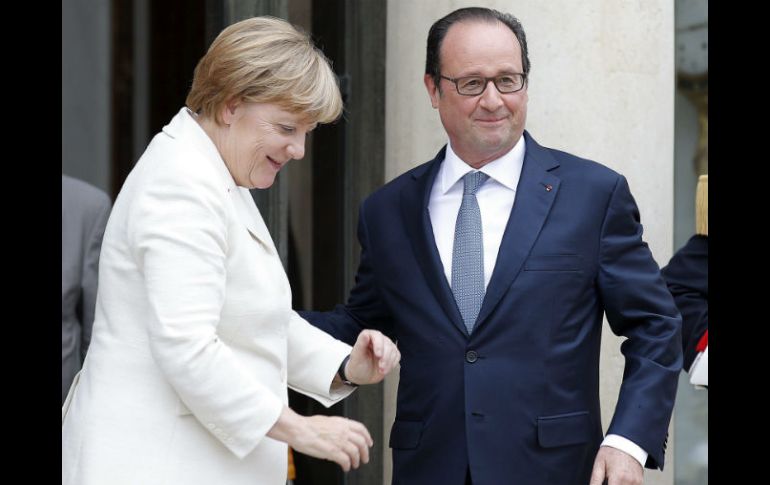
(473, 181)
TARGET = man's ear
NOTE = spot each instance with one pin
(433, 91)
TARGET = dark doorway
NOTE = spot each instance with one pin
(175, 41)
(348, 164)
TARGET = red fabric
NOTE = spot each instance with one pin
(703, 342)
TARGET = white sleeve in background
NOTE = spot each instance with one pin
(699, 370)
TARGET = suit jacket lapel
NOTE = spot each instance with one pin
(414, 208)
(535, 195)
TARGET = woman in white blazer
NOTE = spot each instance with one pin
(194, 342)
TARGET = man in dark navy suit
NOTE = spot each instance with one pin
(493, 266)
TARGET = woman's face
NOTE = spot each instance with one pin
(259, 139)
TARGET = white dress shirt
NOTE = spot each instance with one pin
(495, 197)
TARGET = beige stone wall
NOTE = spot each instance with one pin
(601, 87)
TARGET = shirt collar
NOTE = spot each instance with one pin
(506, 170)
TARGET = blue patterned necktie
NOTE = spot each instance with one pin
(468, 253)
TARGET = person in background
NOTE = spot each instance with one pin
(84, 212)
(492, 266)
(194, 342)
(687, 278)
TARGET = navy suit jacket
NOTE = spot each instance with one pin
(687, 276)
(517, 401)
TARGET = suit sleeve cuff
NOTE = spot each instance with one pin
(627, 446)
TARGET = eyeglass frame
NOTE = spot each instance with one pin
(455, 80)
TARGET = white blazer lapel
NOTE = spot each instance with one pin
(251, 218)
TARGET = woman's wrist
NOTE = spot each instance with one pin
(343, 374)
(287, 426)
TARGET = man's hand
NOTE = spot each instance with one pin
(373, 356)
(618, 467)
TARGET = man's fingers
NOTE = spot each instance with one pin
(615, 467)
(597, 474)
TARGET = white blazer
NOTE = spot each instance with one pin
(194, 341)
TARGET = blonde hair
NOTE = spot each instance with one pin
(265, 60)
(702, 206)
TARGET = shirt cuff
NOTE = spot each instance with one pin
(627, 446)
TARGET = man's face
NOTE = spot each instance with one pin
(481, 128)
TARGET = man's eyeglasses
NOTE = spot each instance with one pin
(475, 85)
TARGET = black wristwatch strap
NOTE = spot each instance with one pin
(341, 372)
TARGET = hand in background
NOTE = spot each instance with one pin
(373, 356)
(618, 467)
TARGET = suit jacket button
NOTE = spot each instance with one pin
(471, 356)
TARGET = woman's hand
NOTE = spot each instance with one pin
(334, 438)
(373, 356)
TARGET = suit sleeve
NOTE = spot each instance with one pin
(687, 278)
(639, 307)
(90, 270)
(365, 307)
(177, 230)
